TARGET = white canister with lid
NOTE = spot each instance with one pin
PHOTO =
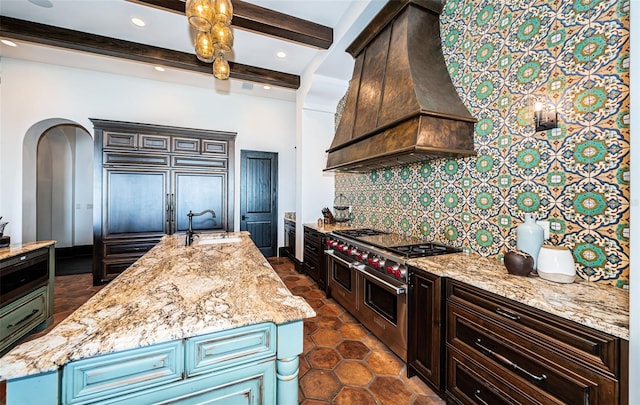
(555, 263)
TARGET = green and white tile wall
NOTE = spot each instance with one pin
(502, 56)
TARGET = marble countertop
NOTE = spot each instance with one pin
(290, 216)
(172, 292)
(326, 228)
(22, 248)
(601, 307)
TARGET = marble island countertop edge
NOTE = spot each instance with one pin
(148, 304)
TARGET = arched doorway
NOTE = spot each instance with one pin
(58, 183)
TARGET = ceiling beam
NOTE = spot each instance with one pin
(101, 45)
(265, 21)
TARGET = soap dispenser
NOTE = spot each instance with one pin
(529, 237)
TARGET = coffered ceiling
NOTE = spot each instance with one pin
(99, 35)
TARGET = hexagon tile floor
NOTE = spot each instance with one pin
(342, 362)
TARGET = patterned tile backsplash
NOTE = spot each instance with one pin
(502, 57)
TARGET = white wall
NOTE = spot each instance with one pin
(31, 92)
(83, 189)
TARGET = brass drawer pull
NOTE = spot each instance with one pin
(477, 395)
(33, 312)
(508, 362)
(506, 314)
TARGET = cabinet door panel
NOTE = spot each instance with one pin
(136, 202)
(197, 192)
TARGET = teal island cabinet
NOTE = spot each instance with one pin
(206, 323)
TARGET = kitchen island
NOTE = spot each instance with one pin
(212, 320)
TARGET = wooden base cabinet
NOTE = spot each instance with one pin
(500, 351)
(424, 356)
(289, 248)
(314, 259)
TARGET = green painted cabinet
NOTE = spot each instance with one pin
(255, 364)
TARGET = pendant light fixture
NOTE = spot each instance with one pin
(212, 19)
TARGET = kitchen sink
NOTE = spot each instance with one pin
(216, 240)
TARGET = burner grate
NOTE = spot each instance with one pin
(423, 249)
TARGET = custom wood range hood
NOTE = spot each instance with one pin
(401, 106)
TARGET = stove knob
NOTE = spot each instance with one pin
(362, 256)
(391, 269)
(399, 273)
(329, 242)
(379, 264)
(345, 248)
(371, 260)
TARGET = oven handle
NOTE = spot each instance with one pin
(341, 260)
(397, 290)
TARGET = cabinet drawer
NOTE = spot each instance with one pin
(33, 256)
(122, 158)
(157, 143)
(111, 267)
(228, 348)
(534, 369)
(185, 145)
(213, 147)
(250, 385)
(22, 315)
(120, 140)
(469, 383)
(203, 163)
(578, 342)
(131, 248)
(110, 375)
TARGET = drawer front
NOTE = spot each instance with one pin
(468, 383)
(213, 147)
(249, 385)
(185, 145)
(533, 369)
(122, 158)
(157, 143)
(119, 140)
(228, 348)
(590, 346)
(131, 249)
(203, 163)
(110, 375)
(22, 315)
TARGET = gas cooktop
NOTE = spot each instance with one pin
(403, 246)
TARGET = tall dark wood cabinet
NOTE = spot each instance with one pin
(314, 257)
(424, 356)
(146, 179)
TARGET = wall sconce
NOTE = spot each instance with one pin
(546, 118)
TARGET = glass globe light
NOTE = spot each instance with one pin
(221, 68)
(200, 14)
(223, 11)
(204, 46)
(222, 37)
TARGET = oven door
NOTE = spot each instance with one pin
(342, 281)
(383, 310)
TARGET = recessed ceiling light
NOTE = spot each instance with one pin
(159, 68)
(266, 87)
(138, 21)
(281, 54)
(8, 43)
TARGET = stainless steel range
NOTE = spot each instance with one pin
(368, 276)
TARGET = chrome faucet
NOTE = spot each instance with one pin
(190, 233)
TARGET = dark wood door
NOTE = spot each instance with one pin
(259, 198)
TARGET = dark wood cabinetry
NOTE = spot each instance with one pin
(314, 259)
(146, 179)
(500, 351)
(289, 248)
(424, 355)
